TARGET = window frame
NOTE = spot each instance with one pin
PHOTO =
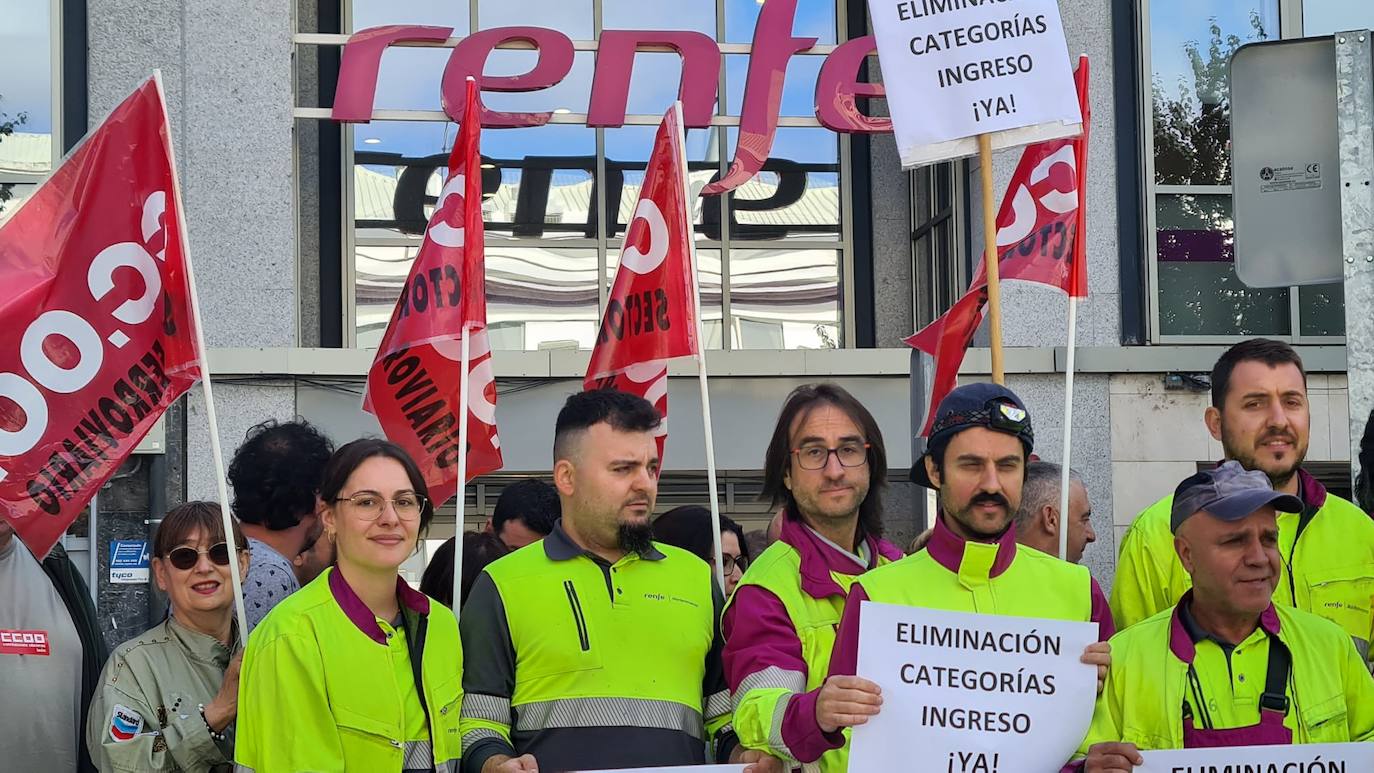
(1290, 13)
(844, 245)
(57, 74)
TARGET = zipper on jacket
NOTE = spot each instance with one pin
(576, 605)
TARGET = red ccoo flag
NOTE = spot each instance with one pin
(96, 336)
(412, 387)
(1039, 235)
(651, 314)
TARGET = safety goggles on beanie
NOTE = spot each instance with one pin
(987, 405)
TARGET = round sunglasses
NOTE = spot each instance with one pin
(185, 558)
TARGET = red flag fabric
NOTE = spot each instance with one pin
(96, 336)
(412, 386)
(1041, 214)
(651, 313)
(1040, 230)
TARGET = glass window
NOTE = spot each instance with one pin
(815, 18)
(1199, 291)
(446, 13)
(785, 299)
(1190, 48)
(796, 196)
(27, 138)
(1327, 17)
(557, 198)
(571, 17)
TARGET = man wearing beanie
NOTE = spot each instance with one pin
(976, 460)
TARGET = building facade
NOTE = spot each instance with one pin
(303, 227)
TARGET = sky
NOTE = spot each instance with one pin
(26, 79)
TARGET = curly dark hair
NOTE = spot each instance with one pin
(275, 475)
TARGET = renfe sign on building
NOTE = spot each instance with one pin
(837, 86)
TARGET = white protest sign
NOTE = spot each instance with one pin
(956, 69)
(1309, 758)
(972, 693)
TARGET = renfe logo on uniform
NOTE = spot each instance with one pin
(837, 86)
(24, 643)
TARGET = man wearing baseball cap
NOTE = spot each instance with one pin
(976, 460)
(1226, 666)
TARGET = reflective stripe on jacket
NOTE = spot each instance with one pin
(320, 687)
(588, 664)
(779, 631)
(1327, 570)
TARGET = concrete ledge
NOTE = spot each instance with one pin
(820, 363)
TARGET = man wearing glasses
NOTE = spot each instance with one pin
(976, 460)
(826, 466)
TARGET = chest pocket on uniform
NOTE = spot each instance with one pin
(560, 638)
(1343, 596)
(1325, 721)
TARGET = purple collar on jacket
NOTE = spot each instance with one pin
(358, 612)
(947, 548)
(818, 559)
(1310, 490)
(1181, 642)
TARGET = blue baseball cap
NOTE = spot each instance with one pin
(1229, 492)
(988, 405)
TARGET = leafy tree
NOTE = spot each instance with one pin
(1192, 135)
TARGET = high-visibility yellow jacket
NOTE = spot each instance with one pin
(327, 686)
(1330, 693)
(780, 628)
(588, 664)
(1327, 567)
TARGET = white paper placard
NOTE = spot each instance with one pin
(1326, 758)
(955, 69)
(973, 693)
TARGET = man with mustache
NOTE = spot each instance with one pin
(1226, 666)
(826, 466)
(1260, 414)
(597, 647)
(976, 460)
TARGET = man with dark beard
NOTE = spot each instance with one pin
(1260, 414)
(976, 460)
(599, 648)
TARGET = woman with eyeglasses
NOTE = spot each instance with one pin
(357, 671)
(689, 527)
(167, 699)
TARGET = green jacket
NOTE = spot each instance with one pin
(587, 664)
(1331, 694)
(326, 686)
(146, 716)
(1327, 567)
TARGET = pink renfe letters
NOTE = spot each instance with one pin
(470, 58)
(837, 87)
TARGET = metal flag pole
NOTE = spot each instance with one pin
(216, 453)
(681, 140)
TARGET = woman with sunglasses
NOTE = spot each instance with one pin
(356, 670)
(167, 699)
